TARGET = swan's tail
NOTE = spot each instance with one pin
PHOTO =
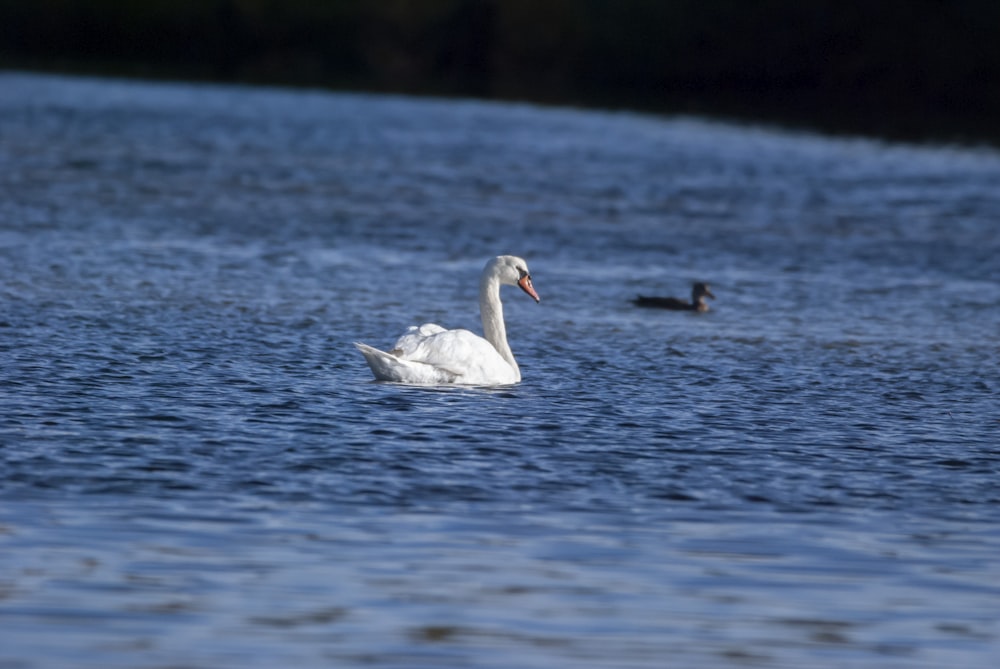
(388, 367)
(383, 365)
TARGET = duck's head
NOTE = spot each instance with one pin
(699, 291)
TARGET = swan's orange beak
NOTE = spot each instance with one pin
(525, 283)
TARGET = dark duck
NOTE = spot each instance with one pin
(699, 292)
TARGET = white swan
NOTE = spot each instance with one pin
(429, 354)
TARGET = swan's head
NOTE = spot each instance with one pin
(512, 271)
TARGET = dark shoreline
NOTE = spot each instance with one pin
(906, 70)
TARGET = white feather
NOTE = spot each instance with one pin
(431, 355)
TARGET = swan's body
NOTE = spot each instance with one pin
(429, 354)
(699, 292)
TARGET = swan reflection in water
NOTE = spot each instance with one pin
(430, 354)
(699, 291)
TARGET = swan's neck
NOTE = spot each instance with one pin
(494, 329)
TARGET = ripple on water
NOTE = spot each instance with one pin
(197, 465)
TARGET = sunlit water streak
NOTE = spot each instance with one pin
(197, 469)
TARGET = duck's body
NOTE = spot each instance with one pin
(699, 292)
(429, 354)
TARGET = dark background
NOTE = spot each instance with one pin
(903, 69)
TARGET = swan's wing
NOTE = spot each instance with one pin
(389, 367)
(410, 340)
(445, 356)
(471, 358)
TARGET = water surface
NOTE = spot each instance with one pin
(197, 469)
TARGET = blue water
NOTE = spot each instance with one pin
(197, 469)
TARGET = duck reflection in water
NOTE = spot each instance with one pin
(699, 291)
